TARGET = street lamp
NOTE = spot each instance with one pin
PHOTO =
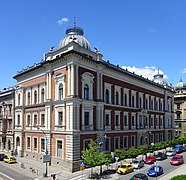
(46, 157)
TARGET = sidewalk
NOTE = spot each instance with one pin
(179, 171)
(35, 170)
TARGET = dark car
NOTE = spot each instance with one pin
(2, 156)
(139, 176)
(161, 156)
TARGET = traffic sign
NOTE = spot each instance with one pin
(82, 164)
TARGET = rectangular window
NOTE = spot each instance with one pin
(117, 120)
(117, 143)
(35, 119)
(18, 120)
(125, 120)
(133, 141)
(107, 120)
(59, 148)
(133, 121)
(86, 119)
(60, 118)
(42, 119)
(28, 142)
(86, 143)
(125, 142)
(42, 145)
(28, 120)
(35, 144)
(107, 144)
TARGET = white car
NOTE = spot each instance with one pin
(171, 153)
(137, 163)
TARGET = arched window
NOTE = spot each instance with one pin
(19, 99)
(42, 95)
(86, 92)
(117, 98)
(28, 98)
(125, 99)
(107, 96)
(35, 97)
(60, 91)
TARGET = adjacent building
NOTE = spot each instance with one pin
(180, 108)
(7, 119)
(73, 96)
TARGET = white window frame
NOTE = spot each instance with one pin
(34, 144)
(108, 112)
(127, 142)
(119, 119)
(59, 79)
(62, 153)
(127, 115)
(117, 137)
(87, 78)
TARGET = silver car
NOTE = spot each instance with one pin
(137, 164)
(171, 153)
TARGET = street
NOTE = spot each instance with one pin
(8, 172)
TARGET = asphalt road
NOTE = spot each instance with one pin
(165, 164)
(8, 173)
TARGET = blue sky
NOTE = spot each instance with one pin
(140, 34)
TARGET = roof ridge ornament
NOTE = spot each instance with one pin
(74, 22)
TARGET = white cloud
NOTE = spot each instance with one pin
(62, 21)
(184, 71)
(146, 72)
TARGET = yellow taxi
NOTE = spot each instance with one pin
(10, 159)
(125, 168)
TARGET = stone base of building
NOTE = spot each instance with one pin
(70, 166)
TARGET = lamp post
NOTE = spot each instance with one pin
(46, 157)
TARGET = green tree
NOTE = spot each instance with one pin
(179, 177)
(93, 157)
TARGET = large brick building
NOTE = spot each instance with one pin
(73, 96)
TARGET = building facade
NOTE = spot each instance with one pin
(7, 119)
(74, 96)
(180, 108)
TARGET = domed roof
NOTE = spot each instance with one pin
(180, 85)
(74, 34)
(158, 78)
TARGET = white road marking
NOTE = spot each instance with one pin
(8, 177)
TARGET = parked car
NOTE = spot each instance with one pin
(150, 159)
(155, 171)
(178, 148)
(171, 152)
(137, 163)
(139, 176)
(161, 156)
(10, 159)
(2, 156)
(177, 160)
(125, 168)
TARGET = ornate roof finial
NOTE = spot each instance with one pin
(158, 70)
(74, 22)
(181, 79)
